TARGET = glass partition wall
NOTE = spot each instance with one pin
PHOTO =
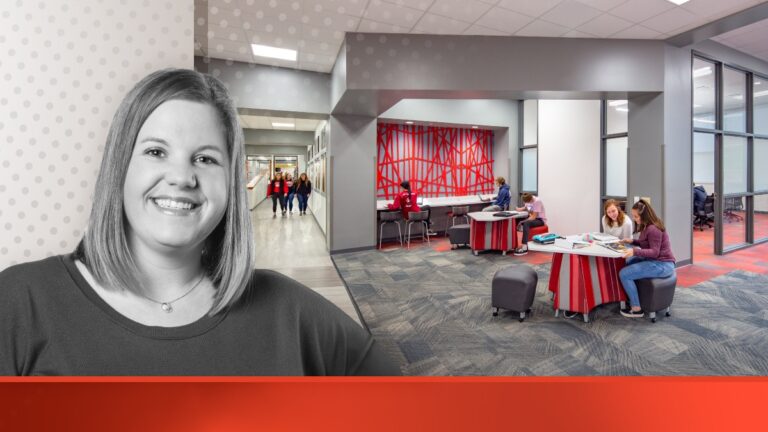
(613, 152)
(730, 137)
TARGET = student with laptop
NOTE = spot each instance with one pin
(536, 217)
(502, 198)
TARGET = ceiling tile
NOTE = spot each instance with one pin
(667, 22)
(315, 67)
(542, 29)
(636, 32)
(436, 24)
(504, 20)
(528, 7)
(312, 32)
(637, 11)
(368, 26)
(422, 5)
(605, 25)
(461, 10)
(484, 31)
(570, 14)
(353, 8)
(312, 57)
(603, 5)
(388, 13)
(707, 8)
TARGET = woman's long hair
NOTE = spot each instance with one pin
(647, 216)
(228, 250)
(619, 219)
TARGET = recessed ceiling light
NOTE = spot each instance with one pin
(283, 125)
(622, 109)
(758, 82)
(761, 93)
(738, 96)
(474, 127)
(696, 105)
(617, 103)
(702, 72)
(702, 120)
(273, 52)
(678, 2)
(408, 122)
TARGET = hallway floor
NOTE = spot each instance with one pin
(294, 245)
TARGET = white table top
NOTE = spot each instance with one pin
(443, 201)
(483, 216)
(591, 250)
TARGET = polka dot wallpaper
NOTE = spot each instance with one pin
(64, 67)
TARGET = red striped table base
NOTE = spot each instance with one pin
(581, 282)
(497, 235)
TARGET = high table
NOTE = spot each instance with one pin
(581, 279)
(487, 231)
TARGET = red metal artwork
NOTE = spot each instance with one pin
(438, 161)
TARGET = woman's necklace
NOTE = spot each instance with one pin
(167, 306)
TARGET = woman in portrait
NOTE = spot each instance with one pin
(162, 282)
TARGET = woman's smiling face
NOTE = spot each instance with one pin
(175, 191)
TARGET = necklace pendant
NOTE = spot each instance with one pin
(167, 307)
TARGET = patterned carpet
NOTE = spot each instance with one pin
(431, 310)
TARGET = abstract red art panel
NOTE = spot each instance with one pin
(438, 161)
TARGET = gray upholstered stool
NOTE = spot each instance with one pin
(513, 288)
(456, 212)
(458, 235)
(656, 294)
(390, 217)
(419, 217)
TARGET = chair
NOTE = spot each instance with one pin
(656, 295)
(419, 217)
(705, 216)
(390, 217)
(536, 230)
(458, 235)
(733, 205)
(514, 288)
(456, 212)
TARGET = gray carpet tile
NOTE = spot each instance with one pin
(431, 312)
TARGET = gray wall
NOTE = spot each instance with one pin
(352, 185)
(678, 204)
(279, 137)
(269, 88)
(478, 63)
(277, 150)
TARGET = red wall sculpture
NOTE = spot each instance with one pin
(438, 161)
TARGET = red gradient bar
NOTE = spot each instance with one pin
(371, 404)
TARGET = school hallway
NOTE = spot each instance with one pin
(294, 245)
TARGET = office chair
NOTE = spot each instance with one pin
(705, 216)
(733, 205)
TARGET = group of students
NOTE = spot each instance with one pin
(283, 189)
(649, 255)
(531, 203)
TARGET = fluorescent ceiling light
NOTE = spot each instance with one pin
(702, 72)
(678, 2)
(622, 109)
(272, 52)
(474, 127)
(409, 122)
(758, 82)
(738, 96)
(701, 120)
(617, 103)
(761, 93)
(283, 125)
(697, 106)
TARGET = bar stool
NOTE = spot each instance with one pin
(390, 217)
(457, 212)
(419, 217)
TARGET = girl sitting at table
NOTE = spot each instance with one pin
(615, 221)
(405, 201)
(536, 218)
(650, 258)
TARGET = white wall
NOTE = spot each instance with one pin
(66, 67)
(569, 164)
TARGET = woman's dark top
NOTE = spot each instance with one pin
(52, 322)
(304, 188)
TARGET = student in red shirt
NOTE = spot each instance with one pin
(406, 201)
(278, 190)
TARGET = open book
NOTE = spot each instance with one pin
(615, 246)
